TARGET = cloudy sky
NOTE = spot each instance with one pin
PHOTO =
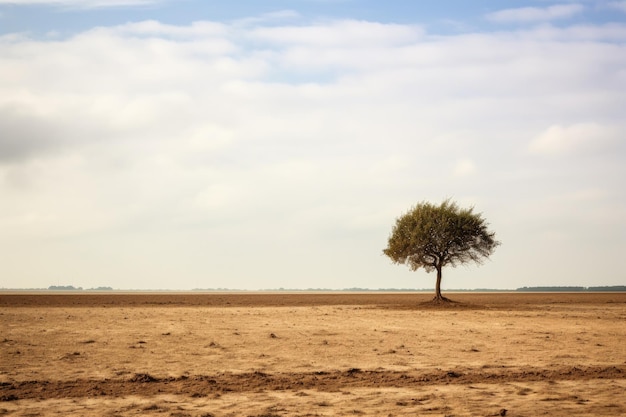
(257, 144)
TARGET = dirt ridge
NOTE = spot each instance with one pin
(329, 381)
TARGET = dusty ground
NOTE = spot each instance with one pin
(312, 355)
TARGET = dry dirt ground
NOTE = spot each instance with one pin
(160, 354)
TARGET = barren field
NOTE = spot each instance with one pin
(249, 354)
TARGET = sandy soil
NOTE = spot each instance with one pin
(312, 354)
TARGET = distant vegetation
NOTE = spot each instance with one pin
(613, 288)
(574, 289)
(64, 288)
(73, 288)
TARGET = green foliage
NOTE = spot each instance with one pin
(430, 237)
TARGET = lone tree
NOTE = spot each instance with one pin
(431, 237)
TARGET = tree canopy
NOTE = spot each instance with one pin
(432, 236)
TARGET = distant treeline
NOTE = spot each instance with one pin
(73, 288)
(614, 288)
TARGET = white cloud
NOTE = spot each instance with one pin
(464, 167)
(340, 34)
(577, 138)
(609, 32)
(268, 17)
(155, 28)
(535, 14)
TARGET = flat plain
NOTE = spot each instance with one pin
(312, 354)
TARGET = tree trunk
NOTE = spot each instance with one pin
(438, 296)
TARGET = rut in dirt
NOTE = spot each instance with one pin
(204, 385)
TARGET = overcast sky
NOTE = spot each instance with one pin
(268, 143)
